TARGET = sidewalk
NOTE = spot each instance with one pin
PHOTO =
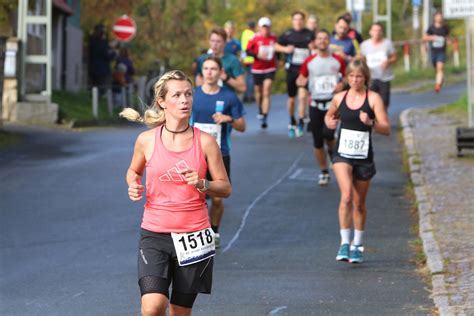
(444, 188)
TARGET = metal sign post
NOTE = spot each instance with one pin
(469, 56)
(384, 18)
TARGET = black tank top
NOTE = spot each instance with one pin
(350, 121)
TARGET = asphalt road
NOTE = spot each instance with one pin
(68, 233)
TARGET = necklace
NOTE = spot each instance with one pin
(177, 132)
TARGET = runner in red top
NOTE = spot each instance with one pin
(261, 46)
(177, 243)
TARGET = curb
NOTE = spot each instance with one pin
(434, 260)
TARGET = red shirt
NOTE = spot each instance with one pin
(262, 48)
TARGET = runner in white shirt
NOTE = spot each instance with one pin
(380, 55)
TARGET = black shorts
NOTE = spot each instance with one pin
(291, 76)
(318, 127)
(362, 169)
(382, 88)
(157, 257)
(226, 160)
(438, 57)
(258, 79)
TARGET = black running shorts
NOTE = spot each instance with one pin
(362, 169)
(157, 257)
(258, 79)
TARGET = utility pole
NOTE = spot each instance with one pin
(385, 18)
(470, 70)
(426, 24)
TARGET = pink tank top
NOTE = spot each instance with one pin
(173, 206)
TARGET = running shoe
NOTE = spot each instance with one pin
(324, 179)
(217, 239)
(264, 123)
(356, 254)
(291, 131)
(299, 130)
(343, 253)
(260, 116)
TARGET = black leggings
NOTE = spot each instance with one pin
(319, 128)
(153, 284)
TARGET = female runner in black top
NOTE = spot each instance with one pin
(359, 111)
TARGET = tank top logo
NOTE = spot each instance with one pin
(173, 174)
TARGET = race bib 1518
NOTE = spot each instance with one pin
(194, 247)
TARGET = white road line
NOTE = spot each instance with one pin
(277, 310)
(247, 212)
(296, 173)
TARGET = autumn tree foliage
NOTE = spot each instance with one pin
(175, 31)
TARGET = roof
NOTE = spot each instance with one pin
(61, 5)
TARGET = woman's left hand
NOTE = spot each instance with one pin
(191, 177)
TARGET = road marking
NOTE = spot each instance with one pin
(304, 174)
(247, 212)
(277, 310)
(296, 173)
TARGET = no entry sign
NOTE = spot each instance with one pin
(124, 28)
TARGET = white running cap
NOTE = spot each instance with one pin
(264, 21)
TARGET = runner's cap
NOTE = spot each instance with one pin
(264, 21)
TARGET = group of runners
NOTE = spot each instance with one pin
(186, 152)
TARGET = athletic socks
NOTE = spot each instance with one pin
(358, 237)
(301, 122)
(215, 228)
(325, 171)
(292, 121)
(345, 236)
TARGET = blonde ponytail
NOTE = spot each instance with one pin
(155, 115)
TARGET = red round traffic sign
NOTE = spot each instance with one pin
(124, 28)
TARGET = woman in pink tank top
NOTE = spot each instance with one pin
(176, 244)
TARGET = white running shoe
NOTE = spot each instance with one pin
(299, 131)
(324, 179)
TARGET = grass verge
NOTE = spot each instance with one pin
(7, 138)
(407, 79)
(457, 107)
(76, 108)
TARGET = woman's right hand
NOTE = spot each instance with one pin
(331, 121)
(135, 190)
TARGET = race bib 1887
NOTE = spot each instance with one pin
(354, 144)
(194, 247)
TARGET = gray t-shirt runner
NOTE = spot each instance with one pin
(323, 73)
(376, 55)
